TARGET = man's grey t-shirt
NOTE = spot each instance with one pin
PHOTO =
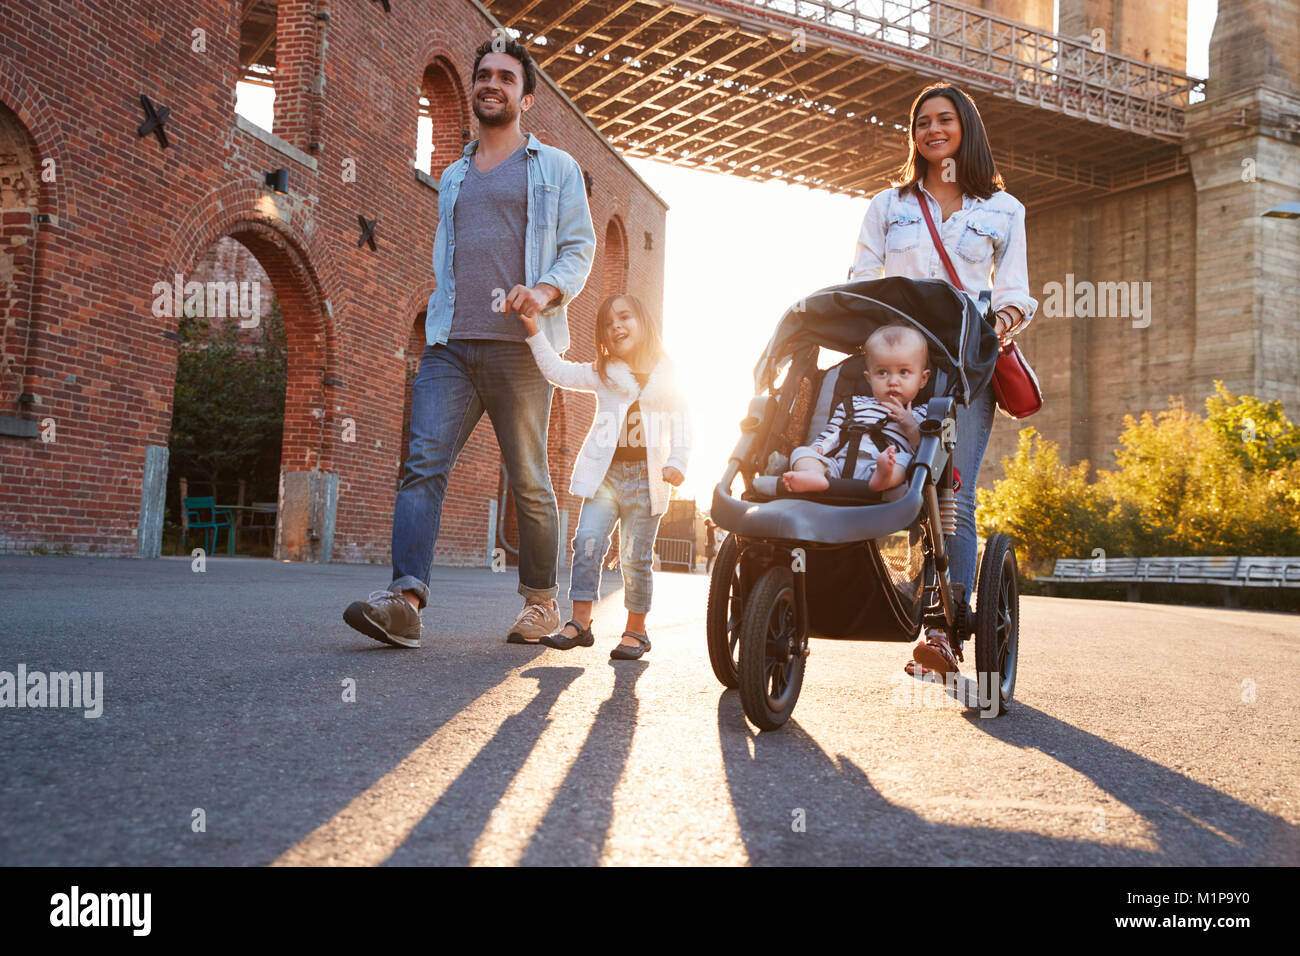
(491, 218)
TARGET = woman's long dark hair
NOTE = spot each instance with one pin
(651, 349)
(976, 173)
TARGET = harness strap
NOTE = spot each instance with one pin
(855, 431)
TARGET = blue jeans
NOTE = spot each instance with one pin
(457, 382)
(974, 425)
(624, 496)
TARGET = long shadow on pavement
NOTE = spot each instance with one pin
(1194, 823)
(575, 826)
(449, 831)
(789, 783)
(848, 821)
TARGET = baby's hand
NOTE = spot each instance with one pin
(673, 476)
(906, 420)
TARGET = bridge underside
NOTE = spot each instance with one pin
(752, 90)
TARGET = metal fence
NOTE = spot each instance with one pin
(675, 554)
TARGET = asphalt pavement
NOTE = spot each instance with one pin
(1141, 734)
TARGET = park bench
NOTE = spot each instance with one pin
(1230, 573)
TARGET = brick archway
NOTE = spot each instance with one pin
(448, 109)
(25, 101)
(312, 451)
(301, 275)
(19, 200)
(614, 265)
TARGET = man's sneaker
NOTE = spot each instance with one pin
(386, 616)
(535, 621)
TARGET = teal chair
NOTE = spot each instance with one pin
(211, 527)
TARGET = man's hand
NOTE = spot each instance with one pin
(673, 476)
(528, 302)
(906, 420)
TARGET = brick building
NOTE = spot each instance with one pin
(96, 215)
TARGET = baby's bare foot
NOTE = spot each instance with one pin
(805, 481)
(885, 474)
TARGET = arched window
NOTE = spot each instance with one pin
(614, 269)
(443, 125)
(19, 193)
(255, 84)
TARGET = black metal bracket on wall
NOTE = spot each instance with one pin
(155, 119)
(367, 232)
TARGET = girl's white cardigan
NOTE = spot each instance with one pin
(664, 416)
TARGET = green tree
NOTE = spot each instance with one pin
(1228, 483)
(228, 411)
(1049, 508)
(1258, 432)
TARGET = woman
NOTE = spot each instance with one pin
(950, 168)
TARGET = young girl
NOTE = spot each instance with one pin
(638, 446)
(950, 168)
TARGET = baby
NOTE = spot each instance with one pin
(898, 366)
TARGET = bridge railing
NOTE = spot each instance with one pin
(987, 51)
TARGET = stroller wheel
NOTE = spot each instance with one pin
(997, 625)
(771, 651)
(726, 611)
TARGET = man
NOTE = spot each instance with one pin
(514, 235)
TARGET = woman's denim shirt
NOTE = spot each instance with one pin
(985, 240)
(559, 244)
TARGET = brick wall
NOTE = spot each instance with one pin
(126, 214)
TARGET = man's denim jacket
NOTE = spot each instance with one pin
(559, 244)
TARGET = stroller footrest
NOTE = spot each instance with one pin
(845, 491)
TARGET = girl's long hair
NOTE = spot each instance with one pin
(651, 349)
(976, 173)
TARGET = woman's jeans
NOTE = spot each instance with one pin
(624, 496)
(974, 424)
(457, 382)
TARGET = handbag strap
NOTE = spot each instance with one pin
(938, 243)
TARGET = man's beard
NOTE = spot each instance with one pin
(509, 113)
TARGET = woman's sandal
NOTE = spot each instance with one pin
(623, 652)
(935, 655)
(562, 642)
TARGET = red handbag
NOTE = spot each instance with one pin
(1015, 386)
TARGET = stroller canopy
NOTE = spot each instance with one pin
(840, 317)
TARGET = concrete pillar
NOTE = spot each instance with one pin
(1243, 144)
(1034, 13)
(1154, 31)
(153, 501)
(304, 529)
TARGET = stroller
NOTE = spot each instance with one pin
(848, 562)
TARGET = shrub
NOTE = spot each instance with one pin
(1228, 483)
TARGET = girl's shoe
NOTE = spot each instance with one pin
(562, 642)
(622, 652)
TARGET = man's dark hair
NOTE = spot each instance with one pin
(510, 47)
